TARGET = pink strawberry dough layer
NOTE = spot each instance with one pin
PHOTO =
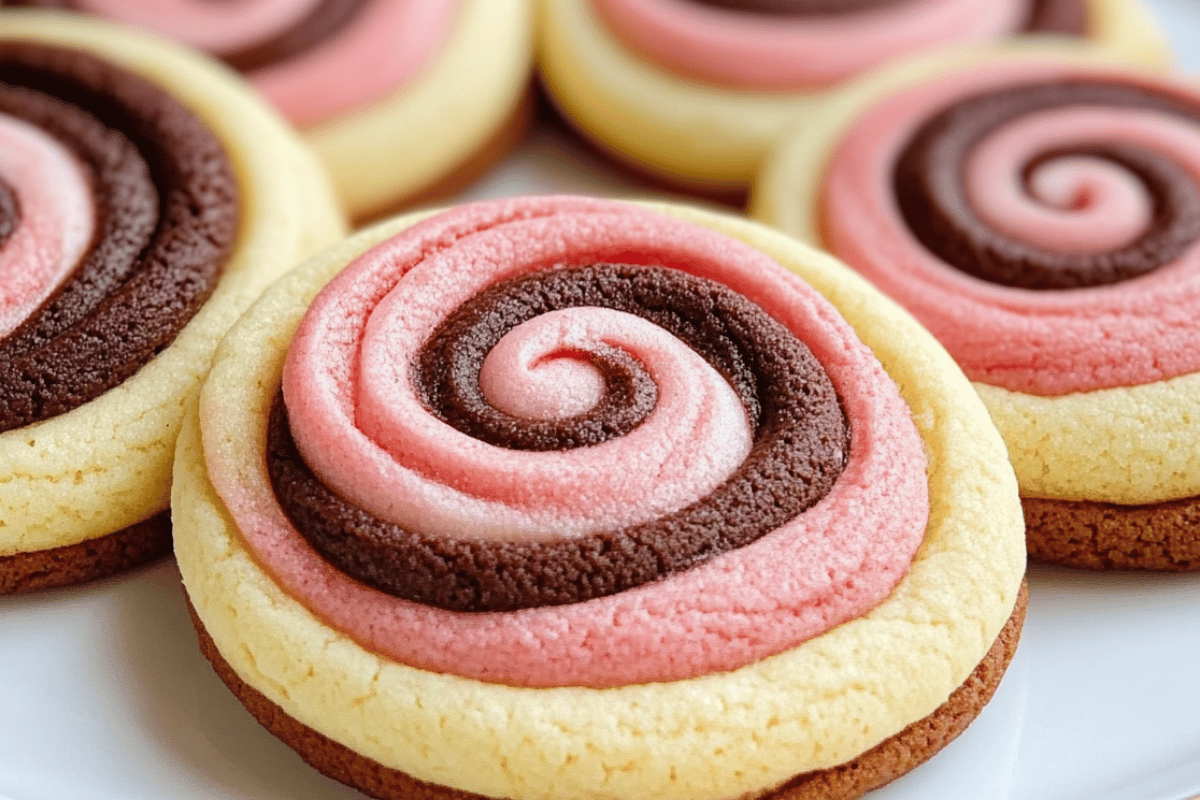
(56, 218)
(773, 52)
(380, 51)
(830, 564)
(1036, 341)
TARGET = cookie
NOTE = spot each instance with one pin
(146, 199)
(698, 92)
(401, 99)
(531, 489)
(1039, 215)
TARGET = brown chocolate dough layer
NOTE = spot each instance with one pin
(801, 441)
(1045, 16)
(928, 182)
(167, 214)
(323, 21)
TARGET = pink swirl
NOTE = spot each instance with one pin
(1073, 204)
(829, 564)
(55, 218)
(382, 49)
(773, 52)
(1046, 342)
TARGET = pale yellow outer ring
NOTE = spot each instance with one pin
(716, 736)
(107, 464)
(703, 134)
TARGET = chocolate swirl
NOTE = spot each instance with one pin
(801, 442)
(167, 213)
(1045, 16)
(929, 188)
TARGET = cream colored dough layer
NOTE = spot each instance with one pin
(418, 135)
(714, 736)
(1129, 445)
(107, 464)
(700, 133)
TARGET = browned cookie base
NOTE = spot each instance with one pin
(131, 547)
(1091, 535)
(882, 764)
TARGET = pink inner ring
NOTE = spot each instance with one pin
(830, 564)
(382, 50)
(56, 220)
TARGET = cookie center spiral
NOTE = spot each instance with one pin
(800, 445)
(1101, 212)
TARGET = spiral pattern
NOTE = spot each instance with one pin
(798, 426)
(604, 537)
(313, 59)
(1041, 219)
(121, 210)
(787, 45)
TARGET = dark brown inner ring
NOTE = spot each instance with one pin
(929, 184)
(1045, 16)
(801, 441)
(168, 212)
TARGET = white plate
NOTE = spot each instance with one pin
(103, 693)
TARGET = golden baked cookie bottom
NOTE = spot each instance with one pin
(106, 465)
(877, 767)
(698, 135)
(135, 546)
(1163, 537)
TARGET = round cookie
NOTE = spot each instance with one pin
(1056, 260)
(784, 563)
(401, 99)
(697, 93)
(148, 197)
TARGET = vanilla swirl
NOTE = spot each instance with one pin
(313, 59)
(1042, 220)
(781, 45)
(413, 367)
(121, 212)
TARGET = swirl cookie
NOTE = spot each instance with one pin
(1041, 217)
(560, 497)
(400, 98)
(698, 91)
(145, 199)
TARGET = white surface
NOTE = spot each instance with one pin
(103, 693)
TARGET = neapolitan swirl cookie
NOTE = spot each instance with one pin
(1041, 217)
(400, 98)
(697, 91)
(529, 489)
(145, 199)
